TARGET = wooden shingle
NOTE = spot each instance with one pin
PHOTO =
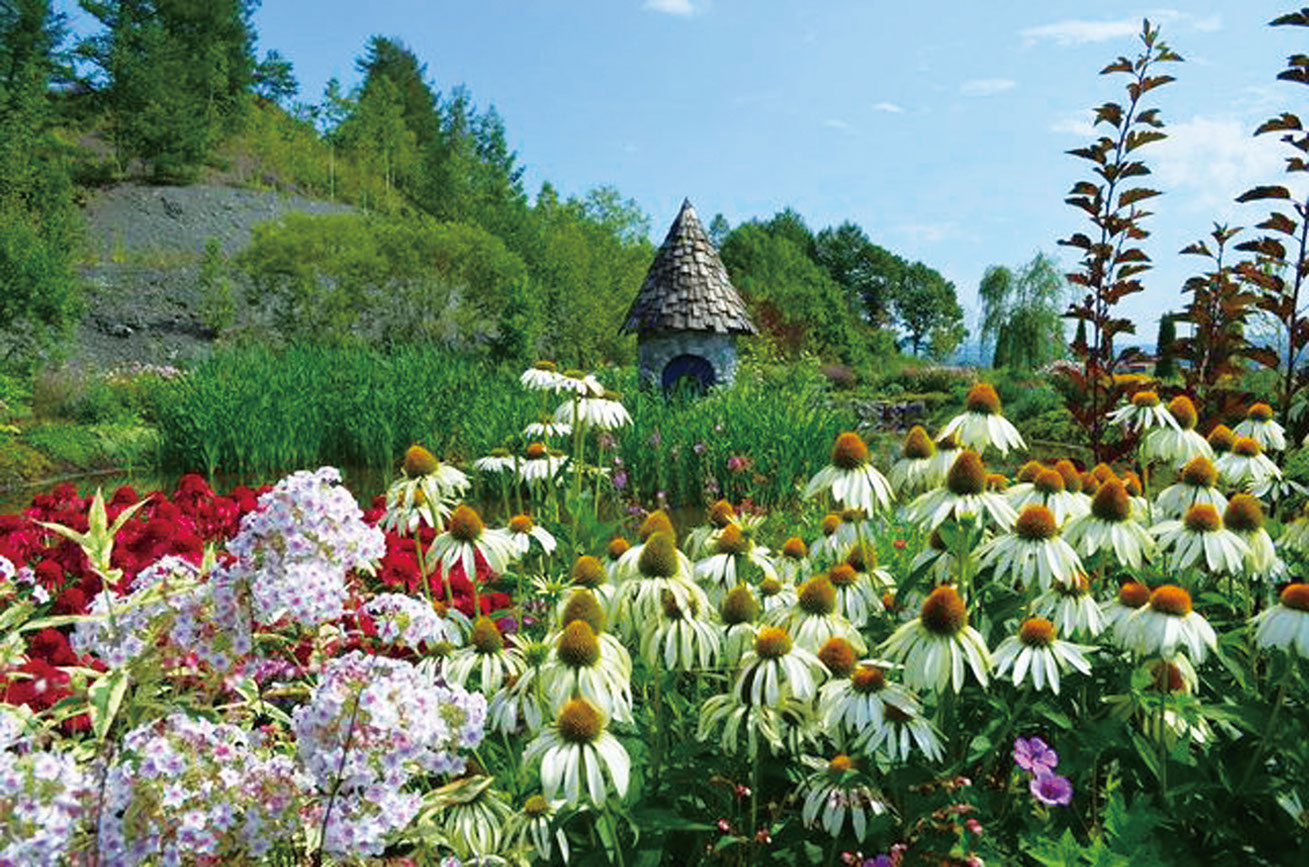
(687, 287)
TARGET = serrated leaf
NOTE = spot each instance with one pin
(1196, 249)
(1264, 192)
(1122, 64)
(1137, 138)
(1278, 222)
(1127, 197)
(1285, 121)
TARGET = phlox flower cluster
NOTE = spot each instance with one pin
(42, 796)
(182, 788)
(298, 546)
(369, 724)
(408, 621)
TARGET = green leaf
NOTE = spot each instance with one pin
(106, 696)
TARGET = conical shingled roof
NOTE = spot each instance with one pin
(687, 288)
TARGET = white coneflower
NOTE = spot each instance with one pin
(1131, 596)
(776, 594)
(1286, 624)
(580, 665)
(835, 789)
(1295, 535)
(498, 461)
(472, 814)
(756, 722)
(588, 574)
(465, 537)
(829, 547)
(899, 730)
(679, 637)
(850, 704)
(935, 557)
(1072, 608)
(659, 569)
(1032, 550)
(533, 828)
(1196, 485)
(1246, 466)
(630, 556)
(1166, 623)
(485, 654)
(1109, 527)
(947, 449)
(863, 559)
(856, 597)
(579, 383)
(578, 748)
(719, 572)
(1245, 518)
(814, 617)
(601, 412)
(539, 464)
(519, 702)
(854, 482)
(982, 425)
(542, 376)
(964, 493)
(1179, 443)
(1036, 650)
(776, 668)
(700, 541)
(936, 645)
(1201, 538)
(740, 611)
(1166, 676)
(523, 530)
(614, 551)
(794, 561)
(1047, 489)
(423, 494)
(1142, 412)
(547, 428)
(916, 470)
(1260, 426)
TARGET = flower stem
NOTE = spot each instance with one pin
(1272, 723)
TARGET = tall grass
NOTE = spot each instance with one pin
(256, 411)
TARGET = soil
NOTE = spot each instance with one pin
(142, 263)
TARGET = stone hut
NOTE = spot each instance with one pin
(687, 314)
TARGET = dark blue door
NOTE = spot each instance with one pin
(689, 372)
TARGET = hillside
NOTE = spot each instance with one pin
(141, 267)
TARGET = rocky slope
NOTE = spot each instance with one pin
(143, 251)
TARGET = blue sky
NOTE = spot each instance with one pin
(938, 127)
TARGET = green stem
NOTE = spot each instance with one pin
(1272, 724)
(613, 830)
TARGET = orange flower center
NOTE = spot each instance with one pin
(721, 514)
(1202, 518)
(1072, 478)
(1247, 447)
(584, 607)
(548, 366)
(739, 606)
(1029, 471)
(1102, 472)
(1048, 482)
(861, 558)
(917, 445)
(770, 587)
(659, 556)
(850, 451)
(983, 399)
(1260, 412)
(1171, 599)
(579, 722)
(1244, 514)
(1183, 411)
(1036, 524)
(1221, 439)
(1296, 596)
(794, 549)
(730, 541)
(486, 636)
(831, 523)
(617, 547)
(588, 572)
(1132, 482)
(1199, 472)
(466, 525)
(1133, 594)
(1036, 632)
(521, 524)
(843, 575)
(838, 655)
(656, 522)
(868, 678)
(1145, 399)
(772, 643)
(967, 476)
(419, 462)
(1111, 502)
(996, 482)
(577, 646)
(840, 764)
(818, 596)
(944, 612)
(536, 806)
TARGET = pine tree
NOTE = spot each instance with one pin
(1166, 366)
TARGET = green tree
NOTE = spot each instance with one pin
(273, 79)
(1022, 314)
(376, 134)
(390, 60)
(869, 274)
(926, 304)
(1165, 366)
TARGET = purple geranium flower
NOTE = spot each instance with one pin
(1051, 790)
(1034, 755)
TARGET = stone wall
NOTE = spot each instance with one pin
(657, 349)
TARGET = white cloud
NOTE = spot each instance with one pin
(987, 86)
(836, 123)
(888, 107)
(929, 233)
(1076, 31)
(1076, 123)
(682, 8)
(1209, 161)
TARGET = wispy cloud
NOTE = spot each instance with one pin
(987, 86)
(1208, 161)
(1074, 123)
(836, 123)
(682, 8)
(1077, 31)
(890, 107)
(929, 233)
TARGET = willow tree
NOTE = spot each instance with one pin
(1022, 313)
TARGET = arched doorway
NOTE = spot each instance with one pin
(690, 373)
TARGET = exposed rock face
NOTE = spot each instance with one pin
(141, 265)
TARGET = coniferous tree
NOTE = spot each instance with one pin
(1165, 366)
